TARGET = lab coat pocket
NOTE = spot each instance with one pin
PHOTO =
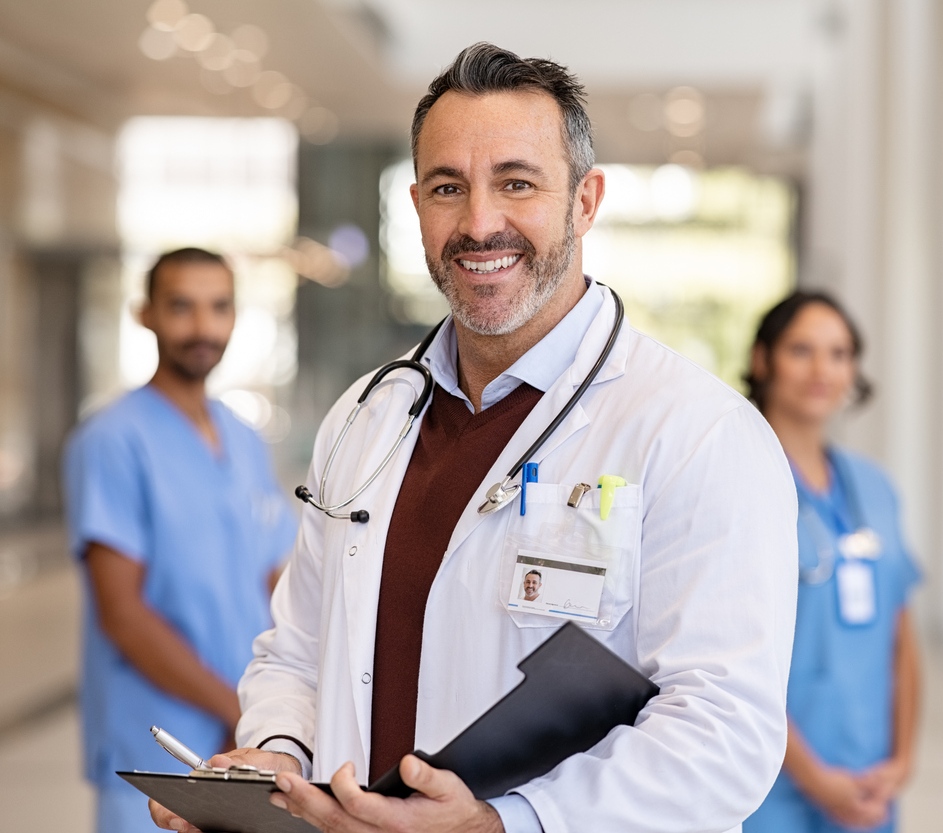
(564, 562)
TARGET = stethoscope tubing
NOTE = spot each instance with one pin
(578, 394)
(419, 403)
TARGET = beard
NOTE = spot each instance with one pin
(193, 360)
(500, 317)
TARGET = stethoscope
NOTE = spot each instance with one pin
(861, 543)
(499, 495)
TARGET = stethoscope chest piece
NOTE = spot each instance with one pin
(498, 496)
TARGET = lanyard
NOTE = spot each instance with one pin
(855, 540)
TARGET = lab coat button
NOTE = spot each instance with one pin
(365, 679)
(352, 551)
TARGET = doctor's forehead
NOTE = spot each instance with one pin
(460, 127)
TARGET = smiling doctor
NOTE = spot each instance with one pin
(397, 633)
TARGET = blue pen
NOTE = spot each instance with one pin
(529, 476)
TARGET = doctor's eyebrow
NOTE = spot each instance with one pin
(517, 166)
(442, 171)
(510, 166)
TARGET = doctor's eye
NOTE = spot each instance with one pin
(447, 190)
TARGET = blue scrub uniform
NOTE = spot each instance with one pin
(209, 527)
(840, 694)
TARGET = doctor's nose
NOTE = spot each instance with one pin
(481, 216)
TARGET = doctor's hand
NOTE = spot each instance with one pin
(255, 757)
(441, 804)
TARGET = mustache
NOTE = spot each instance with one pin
(500, 241)
(196, 344)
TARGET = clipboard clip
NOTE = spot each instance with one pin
(237, 772)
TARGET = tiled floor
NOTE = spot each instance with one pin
(41, 789)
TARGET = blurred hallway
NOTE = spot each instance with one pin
(39, 618)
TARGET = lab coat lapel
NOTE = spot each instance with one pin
(364, 544)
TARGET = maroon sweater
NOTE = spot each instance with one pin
(453, 453)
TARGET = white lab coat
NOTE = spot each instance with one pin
(703, 548)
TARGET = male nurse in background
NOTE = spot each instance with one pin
(180, 526)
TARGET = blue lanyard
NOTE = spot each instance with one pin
(837, 513)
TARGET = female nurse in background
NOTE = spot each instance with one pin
(853, 687)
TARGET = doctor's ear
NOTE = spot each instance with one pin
(587, 200)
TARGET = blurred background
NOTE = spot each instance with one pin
(750, 146)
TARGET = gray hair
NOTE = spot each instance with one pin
(484, 68)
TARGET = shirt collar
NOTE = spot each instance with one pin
(539, 367)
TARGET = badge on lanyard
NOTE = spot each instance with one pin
(857, 594)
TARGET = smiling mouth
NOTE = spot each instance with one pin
(487, 267)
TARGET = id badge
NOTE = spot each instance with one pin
(559, 586)
(857, 602)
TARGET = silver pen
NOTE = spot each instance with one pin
(182, 753)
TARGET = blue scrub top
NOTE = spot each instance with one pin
(209, 526)
(840, 694)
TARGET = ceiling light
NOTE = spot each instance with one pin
(296, 105)
(250, 38)
(244, 69)
(272, 90)
(193, 32)
(319, 125)
(157, 44)
(687, 159)
(217, 55)
(166, 14)
(684, 111)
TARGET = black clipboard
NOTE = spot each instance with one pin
(575, 690)
(220, 805)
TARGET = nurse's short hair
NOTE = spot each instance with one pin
(534, 573)
(484, 68)
(777, 321)
(188, 254)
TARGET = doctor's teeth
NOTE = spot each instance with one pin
(490, 265)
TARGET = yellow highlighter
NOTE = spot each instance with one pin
(608, 483)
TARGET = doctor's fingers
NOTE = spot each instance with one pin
(438, 784)
(442, 803)
(259, 758)
(168, 821)
(317, 807)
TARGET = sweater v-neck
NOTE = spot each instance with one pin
(457, 419)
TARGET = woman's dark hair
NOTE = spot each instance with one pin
(777, 321)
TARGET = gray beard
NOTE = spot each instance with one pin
(547, 273)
